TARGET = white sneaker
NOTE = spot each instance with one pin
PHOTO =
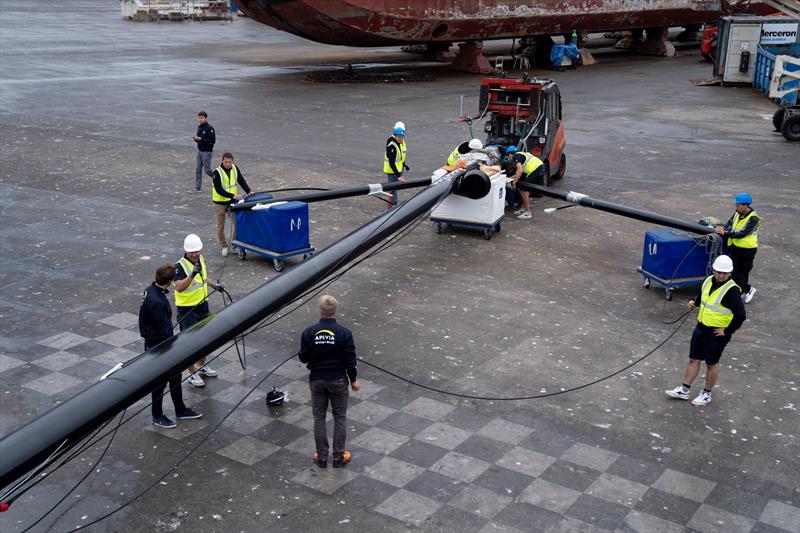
(704, 398)
(224, 251)
(518, 212)
(678, 392)
(749, 295)
(207, 371)
(196, 380)
(525, 215)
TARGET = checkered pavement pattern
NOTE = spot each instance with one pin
(418, 460)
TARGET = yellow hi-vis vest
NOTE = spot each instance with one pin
(400, 160)
(712, 313)
(454, 156)
(197, 291)
(229, 183)
(531, 162)
(748, 241)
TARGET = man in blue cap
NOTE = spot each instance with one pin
(527, 168)
(394, 158)
(742, 233)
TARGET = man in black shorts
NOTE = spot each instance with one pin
(527, 168)
(721, 313)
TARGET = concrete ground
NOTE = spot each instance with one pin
(97, 165)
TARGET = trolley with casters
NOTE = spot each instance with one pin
(278, 231)
(673, 259)
(485, 214)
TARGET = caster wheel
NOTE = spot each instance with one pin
(242, 255)
(647, 283)
(497, 227)
(438, 227)
(278, 264)
(487, 233)
(669, 295)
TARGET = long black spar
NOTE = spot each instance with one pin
(68, 423)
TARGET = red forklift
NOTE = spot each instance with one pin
(526, 113)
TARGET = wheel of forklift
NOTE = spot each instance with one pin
(562, 168)
(777, 118)
(791, 124)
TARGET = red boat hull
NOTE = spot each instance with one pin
(385, 23)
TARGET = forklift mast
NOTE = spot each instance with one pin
(513, 108)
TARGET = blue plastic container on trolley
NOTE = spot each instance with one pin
(672, 259)
(277, 232)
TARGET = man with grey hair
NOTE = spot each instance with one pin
(330, 355)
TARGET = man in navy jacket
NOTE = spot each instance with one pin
(155, 326)
(330, 354)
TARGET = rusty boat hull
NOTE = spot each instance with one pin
(384, 23)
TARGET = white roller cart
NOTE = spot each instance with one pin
(485, 214)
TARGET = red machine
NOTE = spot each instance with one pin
(708, 46)
(526, 113)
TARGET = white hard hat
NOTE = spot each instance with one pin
(723, 263)
(475, 144)
(399, 125)
(192, 243)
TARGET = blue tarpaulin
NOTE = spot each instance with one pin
(560, 50)
(281, 228)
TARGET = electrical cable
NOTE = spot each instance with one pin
(533, 396)
(81, 480)
(189, 453)
(390, 242)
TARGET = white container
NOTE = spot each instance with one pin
(486, 211)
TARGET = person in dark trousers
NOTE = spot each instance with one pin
(742, 233)
(394, 158)
(330, 355)
(205, 139)
(155, 326)
(721, 314)
(227, 179)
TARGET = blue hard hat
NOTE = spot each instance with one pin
(743, 198)
(511, 148)
(399, 131)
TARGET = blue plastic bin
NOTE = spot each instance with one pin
(282, 228)
(765, 64)
(670, 255)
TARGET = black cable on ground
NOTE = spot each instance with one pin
(188, 454)
(88, 442)
(533, 396)
(82, 479)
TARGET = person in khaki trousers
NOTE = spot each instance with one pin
(227, 179)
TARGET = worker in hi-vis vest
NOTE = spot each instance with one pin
(226, 181)
(721, 312)
(742, 232)
(463, 149)
(394, 158)
(191, 298)
(526, 168)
